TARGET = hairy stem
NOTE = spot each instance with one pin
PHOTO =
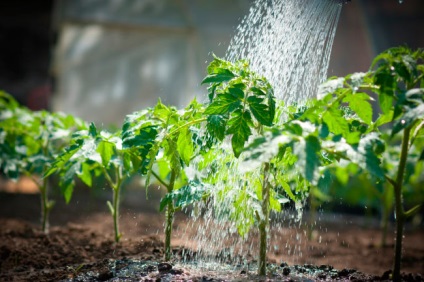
(170, 210)
(264, 222)
(399, 210)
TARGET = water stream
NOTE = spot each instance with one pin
(289, 42)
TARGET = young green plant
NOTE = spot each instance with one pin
(170, 138)
(241, 105)
(93, 153)
(30, 142)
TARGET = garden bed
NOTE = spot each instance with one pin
(80, 247)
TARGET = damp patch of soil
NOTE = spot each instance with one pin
(80, 247)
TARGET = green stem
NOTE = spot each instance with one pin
(45, 206)
(160, 180)
(312, 214)
(399, 210)
(116, 214)
(116, 187)
(264, 222)
(185, 125)
(169, 218)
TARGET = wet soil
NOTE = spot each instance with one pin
(80, 246)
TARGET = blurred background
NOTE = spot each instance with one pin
(103, 59)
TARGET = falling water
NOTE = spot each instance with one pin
(288, 42)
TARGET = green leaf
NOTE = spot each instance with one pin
(386, 102)
(236, 92)
(216, 125)
(408, 119)
(189, 194)
(172, 154)
(335, 121)
(260, 111)
(218, 77)
(358, 102)
(92, 130)
(223, 104)
(67, 190)
(85, 174)
(384, 118)
(312, 148)
(185, 145)
(238, 125)
(287, 189)
(366, 155)
(106, 150)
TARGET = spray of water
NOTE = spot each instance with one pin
(288, 42)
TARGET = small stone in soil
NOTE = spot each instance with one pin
(105, 275)
(286, 271)
(150, 268)
(283, 264)
(164, 267)
(346, 272)
(176, 271)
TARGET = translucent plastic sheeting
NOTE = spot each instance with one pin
(115, 57)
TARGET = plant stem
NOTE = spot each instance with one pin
(313, 205)
(45, 206)
(400, 213)
(170, 210)
(264, 222)
(116, 187)
(116, 213)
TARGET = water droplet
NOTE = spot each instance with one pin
(402, 121)
(400, 1)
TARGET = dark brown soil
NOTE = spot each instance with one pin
(80, 246)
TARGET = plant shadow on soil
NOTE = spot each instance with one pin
(80, 246)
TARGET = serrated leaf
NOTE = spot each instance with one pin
(236, 92)
(172, 154)
(260, 111)
(335, 121)
(218, 77)
(384, 118)
(216, 125)
(185, 145)
(359, 104)
(187, 195)
(238, 126)
(223, 104)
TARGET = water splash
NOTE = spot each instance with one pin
(288, 42)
